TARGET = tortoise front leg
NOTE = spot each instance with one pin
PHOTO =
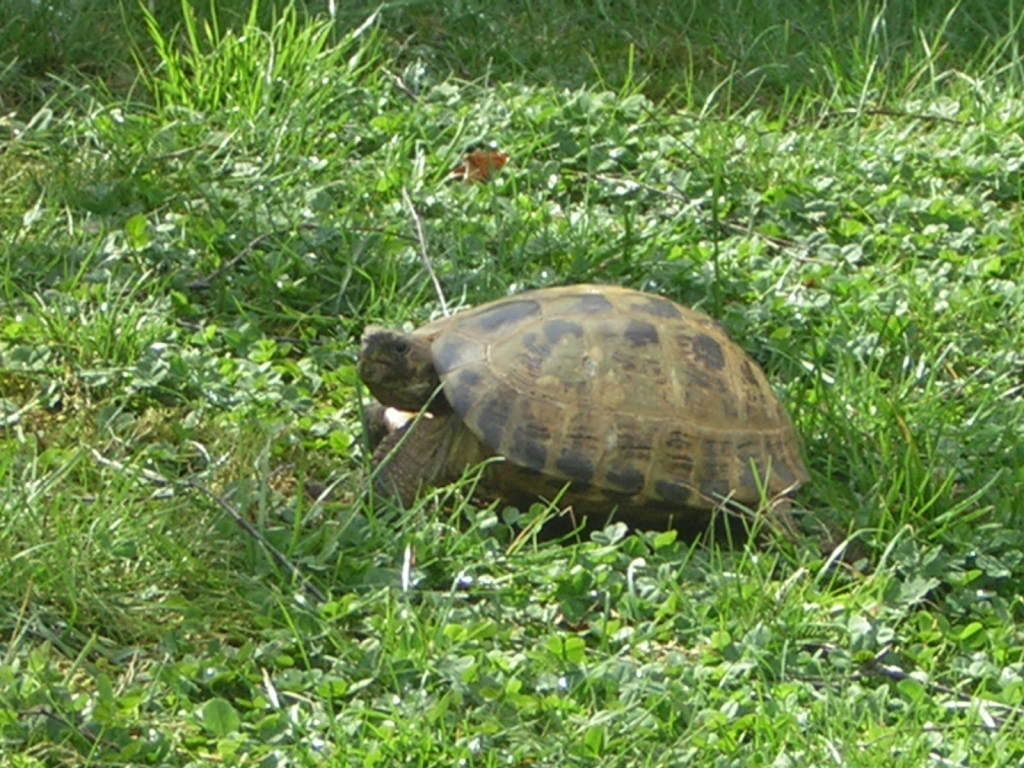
(414, 457)
(380, 420)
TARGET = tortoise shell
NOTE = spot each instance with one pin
(625, 394)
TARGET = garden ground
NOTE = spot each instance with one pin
(199, 213)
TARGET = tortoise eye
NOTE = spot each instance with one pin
(401, 347)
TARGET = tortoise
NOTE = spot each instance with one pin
(602, 397)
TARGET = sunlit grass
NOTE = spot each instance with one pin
(188, 255)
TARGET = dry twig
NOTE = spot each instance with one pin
(424, 256)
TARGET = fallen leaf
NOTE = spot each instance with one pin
(478, 165)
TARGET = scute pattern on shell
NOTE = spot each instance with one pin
(620, 392)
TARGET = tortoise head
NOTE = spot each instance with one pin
(397, 367)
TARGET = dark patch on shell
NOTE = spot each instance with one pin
(580, 437)
(680, 451)
(461, 392)
(461, 399)
(450, 353)
(783, 473)
(747, 479)
(674, 493)
(700, 379)
(729, 405)
(709, 352)
(556, 330)
(752, 472)
(530, 452)
(716, 489)
(632, 438)
(537, 352)
(505, 313)
(623, 360)
(492, 420)
(679, 441)
(628, 479)
(639, 333)
(658, 307)
(592, 304)
(534, 430)
(576, 467)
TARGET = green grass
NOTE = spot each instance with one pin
(198, 215)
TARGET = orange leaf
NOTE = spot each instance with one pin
(479, 165)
